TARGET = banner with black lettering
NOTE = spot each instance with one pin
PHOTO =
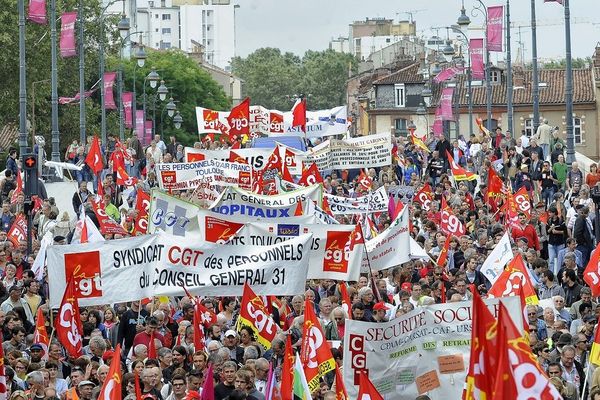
(181, 218)
(391, 247)
(184, 176)
(373, 202)
(235, 201)
(425, 350)
(359, 152)
(257, 158)
(330, 254)
(118, 271)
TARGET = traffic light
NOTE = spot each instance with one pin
(31, 175)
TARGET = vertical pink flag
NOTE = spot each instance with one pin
(37, 11)
(494, 28)
(447, 74)
(109, 98)
(139, 125)
(476, 53)
(446, 104)
(438, 125)
(147, 132)
(67, 34)
(127, 99)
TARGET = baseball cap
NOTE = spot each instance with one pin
(86, 383)
(380, 306)
(36, 346)
(230, 332)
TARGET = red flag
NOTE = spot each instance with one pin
(366, 389)
(152, 348)
(326, 207)
(424, 197)
(18, 189)
(299, 211)
(392, 208)
(94, 157)
(254, 315)
(450, 224)
(142, 205)
(356, 237)
(274, 161)
(239, 119)
(285, 168)
(68, 322)
(18, 230)
(299, 114)
(208, 389)
(514, 277)
(111, 388)
(504, 383)
(287, 371)
(236, 158)
(591, 274)
(522, 201)
(346, 303)
(108, 226)
(315, 354)
(364, 181)
(495, 185)
(340, 389)
(199, 339)
(40, 336)
(138, 388)
(100, 191)
(124, 179)
(459, 173)
(443, 257)
(3, 391)
(310, 176)
(84, 230)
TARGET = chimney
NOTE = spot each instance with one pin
(518, 76)
(596, 57)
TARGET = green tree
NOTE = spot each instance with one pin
(562, 63)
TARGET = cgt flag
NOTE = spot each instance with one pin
(239, 119)
(254, 315)
(111, 389)
(591, 274)
(68, 322)
(315, 353)
(514, 278)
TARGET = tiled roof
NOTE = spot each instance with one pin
(408, 74)
(552, 93)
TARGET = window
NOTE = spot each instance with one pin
(577, 131)
(400, 125)
(399, 95)
(156, 16)
(495, 76)
(166, 17)
(151, 4)
(529, 127)
(165, 45)
(166, 31)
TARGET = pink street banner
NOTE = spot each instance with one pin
(67, 34)
(147, 132)
(127, 99)
(476, 54)
(37, 11)
(139, 125)
(448, 74)
(494, 28)
(438, 125)
(109, 98)
(70, 100)
(446, 104)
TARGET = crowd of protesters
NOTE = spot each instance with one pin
(556, 242)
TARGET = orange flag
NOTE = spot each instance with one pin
(512, 279)
(315, 354)
(340, 389)
(494, 189)
(443, 257)
(287, 371)
(40, 335)
(236, 158)
(366, 389)
(459, 173)
(299, 211)
(111, 389)
(591, 274)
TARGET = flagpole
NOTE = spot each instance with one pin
(587, 375)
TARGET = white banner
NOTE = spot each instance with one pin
(276, 123)
(235, 201)
(130, 269)
(501, 255)
(391, 247)
(330, 255)
(424, 351)
(257, 158)
(359, 152)
(181, 218)
(183, 176)
(373, 202)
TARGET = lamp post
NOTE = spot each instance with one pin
(153, 78)
(81, 77)
(22, 81)
(177, 120)
(569, 86)
(170, 107)
(140, 57)
(535, 91)
(161, 94)
(463, 20)
(55, 133)
(481, 8)
(123, 31)
(509, 76)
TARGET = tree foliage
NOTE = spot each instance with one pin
(562, 64)
(273, 78)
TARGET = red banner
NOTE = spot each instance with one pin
(254, 315)
(315, 354)
(494, 28)
(446, 104)
(68, 322)
(447, 74)
(108, 226)
(142, 206)
(476, 54)
(109, 98)
(67, 34)
(18, 230)
(127, 100)
(424, 197)
(37, 11)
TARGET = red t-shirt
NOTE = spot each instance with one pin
(144, 338)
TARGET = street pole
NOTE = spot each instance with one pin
(102, 89)
(54, 83)
(534, 66)
(81, 78)
(470, 91)
(569, 87)
(22, 82)
(509, 74)
(488, 77)
(121, 120)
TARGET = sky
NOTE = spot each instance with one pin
(300, 25)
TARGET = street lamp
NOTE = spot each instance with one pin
(153, 78)
(426, 94)
(481, 8)
(463, 20)
(421, 110)
(177, 120)
(171, 107)
(124, 27)
(123, 31)
(469, 72)
(140, 55)
(162, 91)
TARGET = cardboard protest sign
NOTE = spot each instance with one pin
(183, 176)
